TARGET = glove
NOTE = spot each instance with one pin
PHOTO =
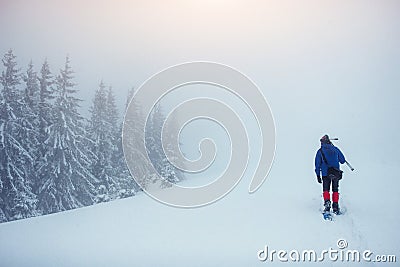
(319, 179)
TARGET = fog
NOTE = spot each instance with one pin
(324, 67)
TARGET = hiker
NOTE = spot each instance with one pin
(327, 162)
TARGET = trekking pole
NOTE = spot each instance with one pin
(351, 168)
(348, 164)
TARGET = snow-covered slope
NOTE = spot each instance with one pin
(283, 215)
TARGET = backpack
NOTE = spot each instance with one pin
(332, 170)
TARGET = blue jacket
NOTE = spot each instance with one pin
(333, 156)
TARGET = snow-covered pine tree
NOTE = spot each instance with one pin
(112, 112)
(155, 148)
(66, 181)
(114, 129)
(31, 88)
(31, 114)
(44, 104)
(168, 171)
(126, 186)
(153, 137)
(16, 198)
(131, 138)
(102, 133)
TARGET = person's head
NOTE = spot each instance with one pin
(325, 139)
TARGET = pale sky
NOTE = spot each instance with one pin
(324, 66)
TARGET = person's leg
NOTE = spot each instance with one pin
(326, 185)
(335, 194)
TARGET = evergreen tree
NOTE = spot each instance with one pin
(168, 171)
(155, 148)
(127, 184)
(31, 89)
(153, 137)
(31, 100)
(112, 121)
(16, 198)
(44, 104)
(101, 132)
(66, 181)
(112, 112)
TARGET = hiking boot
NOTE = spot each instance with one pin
(327, 205)
(335, 208)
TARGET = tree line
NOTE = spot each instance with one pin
(54, 159)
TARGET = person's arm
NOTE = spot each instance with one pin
(342, 160)
(318, 162)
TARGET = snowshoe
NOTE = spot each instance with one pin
(335, 208)
(327, 215)
(327, 206)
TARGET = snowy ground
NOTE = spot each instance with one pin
(283, 214)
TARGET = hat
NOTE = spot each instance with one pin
(325, 139)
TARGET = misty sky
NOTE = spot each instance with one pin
(324, 66)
